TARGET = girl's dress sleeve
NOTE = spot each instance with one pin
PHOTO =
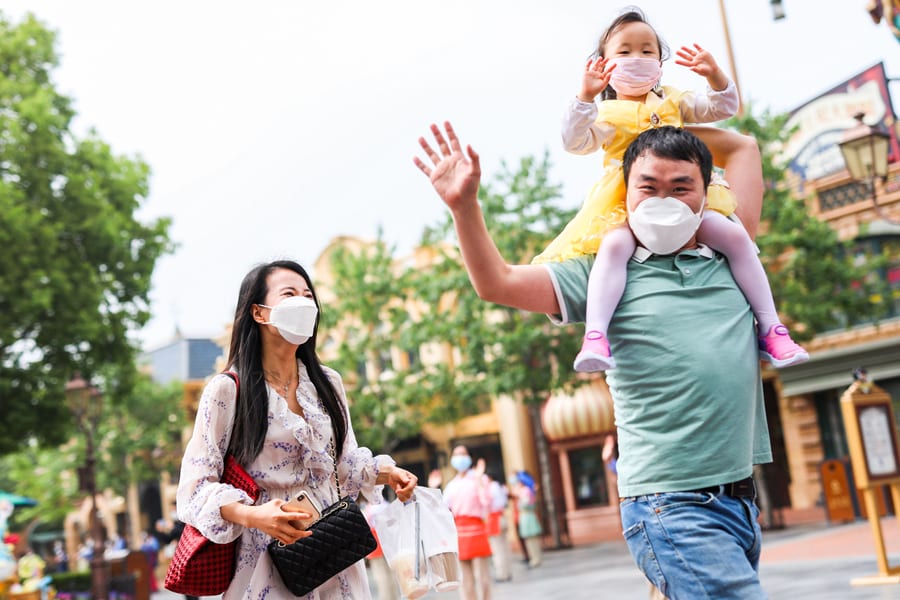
(358, 469)
(581, 132)
(200, 494)
(710, 106)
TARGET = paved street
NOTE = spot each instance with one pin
(806, 561)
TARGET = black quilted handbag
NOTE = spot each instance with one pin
(340, 538)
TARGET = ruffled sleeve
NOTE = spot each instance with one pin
(582, 133)
(200, 494)
(358, 468)
(711, 106)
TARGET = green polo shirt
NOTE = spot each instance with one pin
(687, 390)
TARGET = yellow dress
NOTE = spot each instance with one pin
(604, 207)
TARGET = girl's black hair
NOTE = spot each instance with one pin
(630, 14)
(245, 356)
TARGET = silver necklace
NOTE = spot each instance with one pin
(278, 381)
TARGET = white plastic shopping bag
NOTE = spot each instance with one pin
(420, 544)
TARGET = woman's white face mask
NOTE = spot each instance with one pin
(664, 225)
(294, 317)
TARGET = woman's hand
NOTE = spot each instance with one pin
(268, 518)
(595, 79)
(402, 482)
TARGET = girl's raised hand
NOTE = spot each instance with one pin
(702, 63)
(698, 60)
(595, 79)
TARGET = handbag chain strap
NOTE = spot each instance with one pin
(333, 452)
(337, 482)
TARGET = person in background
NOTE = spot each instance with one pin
(498, 530)
(610, 453)
(60, 558)
(168, 532)
(150, 548)
(514, 509)
(468, 497)
(529, 525)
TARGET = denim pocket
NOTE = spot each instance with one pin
(642, 552)
(674, 500)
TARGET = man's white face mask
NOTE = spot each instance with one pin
(664, 225)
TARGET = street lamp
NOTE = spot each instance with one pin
(777, 10)
(734, 73)
(865, 151)
(87, 407)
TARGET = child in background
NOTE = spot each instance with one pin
(529, 524)
(626, 73)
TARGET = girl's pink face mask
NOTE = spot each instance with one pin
(634, 76)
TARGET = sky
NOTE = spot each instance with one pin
(272, 127)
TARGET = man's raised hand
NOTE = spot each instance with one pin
(454, 174)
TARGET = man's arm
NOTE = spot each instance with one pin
(455, 176)
(739, 156)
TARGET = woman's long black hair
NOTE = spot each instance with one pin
(245, 356)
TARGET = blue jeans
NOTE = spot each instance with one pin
(694, 545)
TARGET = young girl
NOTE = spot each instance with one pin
(629, 57)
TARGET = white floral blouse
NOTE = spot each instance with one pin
(295, 457)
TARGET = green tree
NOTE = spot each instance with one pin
(429, 306)
(505, 350)
(77, 264)
(819, 282)
(138, 437)
(367, 311)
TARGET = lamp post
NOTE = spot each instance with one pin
(734, 73)
(865, 151)
(777, 15)
(777, 10)
(87, 407)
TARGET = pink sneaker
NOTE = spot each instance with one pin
(594, 355)
(778, 348)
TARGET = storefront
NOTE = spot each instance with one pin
(576, 426)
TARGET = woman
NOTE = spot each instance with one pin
(529, 524)
(280, 426)
(469, 499)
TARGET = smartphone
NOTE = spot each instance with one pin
(302, 503)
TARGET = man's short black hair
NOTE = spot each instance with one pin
(673, 143)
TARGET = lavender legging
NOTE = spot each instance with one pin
(607, 281)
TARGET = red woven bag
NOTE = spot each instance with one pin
(199, 566)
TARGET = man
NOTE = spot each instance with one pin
(688, 397)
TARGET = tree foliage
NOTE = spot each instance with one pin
(77, 263)
(820, 282)
(138, 438)
(452, 352)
